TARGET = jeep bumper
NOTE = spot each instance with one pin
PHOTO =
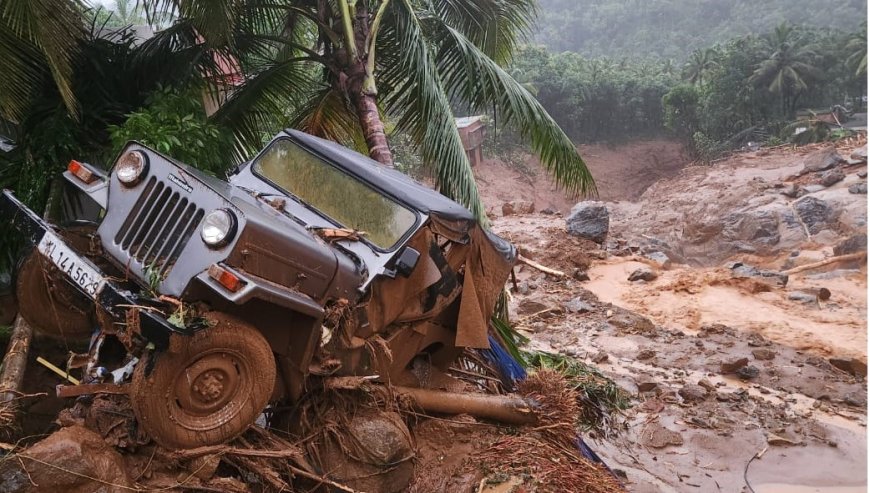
(82, 273)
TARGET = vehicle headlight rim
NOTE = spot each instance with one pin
(139, 171)
(221, 221)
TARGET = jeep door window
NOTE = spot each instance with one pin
(338, 195)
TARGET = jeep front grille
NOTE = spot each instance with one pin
(158, 227)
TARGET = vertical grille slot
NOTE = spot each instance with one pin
(159, 225)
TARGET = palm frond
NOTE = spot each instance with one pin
(418, 98)
(327, 114)
(35, 35)
(470, 75)
(496, 28)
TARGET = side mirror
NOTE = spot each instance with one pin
(405, 263)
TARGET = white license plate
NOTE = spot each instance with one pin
(78, 270)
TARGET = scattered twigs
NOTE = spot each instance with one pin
(535, 265)
(822, 263)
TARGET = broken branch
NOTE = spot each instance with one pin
(535, 265)
(822, 263)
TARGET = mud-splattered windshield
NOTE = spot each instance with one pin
(336, 194)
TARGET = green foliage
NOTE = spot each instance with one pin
(676, 28)
(601, 399)
(597, 99)
(174, 123)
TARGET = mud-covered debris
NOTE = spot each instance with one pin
(577, 305)
(707, 384)
(657, 436)
(643, 274)
(580, 275)
(693, 393)
(774, 439)
(631, 322)
(740, 270)
(645, 354)
(647, 386)
(763, 354)
(727, 367)
(803, 297)
(852, 366)
(73, 459)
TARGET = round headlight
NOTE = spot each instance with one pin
(218, 228)
(131, 168)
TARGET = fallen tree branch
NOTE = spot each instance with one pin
(822, 263)
(535, 265)
(227, 450)
(15, 361)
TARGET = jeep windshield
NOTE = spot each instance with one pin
(335, 194)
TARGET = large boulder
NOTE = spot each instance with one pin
(816, 214)
(72, 460)
(831, 177)
(854, 244)
(589, 220)
(821, 160)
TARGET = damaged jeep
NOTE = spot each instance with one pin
(207, 301)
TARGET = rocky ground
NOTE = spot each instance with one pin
(685, 304)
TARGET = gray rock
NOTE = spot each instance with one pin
(803, 297)
(589, 220)
(600, 357)
(693, 393)
(549, 211)
(580, 275)
(759, 228)
(815, 213)
(854, 244)
(790, 190)
(660, 258)
(523, 288)
(831, 177)
(643, 274)
(858, 188)
(774, 278)
(646, 386)
(862, 173)
(821, 160)
(577, 305)
(860, 154)
(645, 354)
(748, 372)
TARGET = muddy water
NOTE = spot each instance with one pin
(794, 488)
(688, 299)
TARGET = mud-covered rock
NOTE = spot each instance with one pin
(732, 366)
(803, 297)
(763, 354)
(816, 214)
(860, 154)
(659, 258)
(693, 393)
(589, 220)
(748, 372)
(853, 244)
(577, 305)
(821, 160)
(643, 274)
(645, 354)
(774, 278)
(631, 322)
(858, 188)
(758, 228)
(852, 366)
(831, 177)
(73, 459)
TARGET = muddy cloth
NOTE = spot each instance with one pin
(473, 266)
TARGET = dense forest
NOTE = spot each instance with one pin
(675, 28)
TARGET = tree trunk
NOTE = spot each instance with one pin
(373, 128)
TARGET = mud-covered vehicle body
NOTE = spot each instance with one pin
(206, 300)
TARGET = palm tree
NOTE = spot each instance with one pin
(338, 68)
(857, 48)
(37, 37)
(788, 68)
(700, 63)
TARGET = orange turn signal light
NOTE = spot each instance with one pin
(225, 278)
(80, 171)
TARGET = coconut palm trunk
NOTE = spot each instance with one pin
(366, 106)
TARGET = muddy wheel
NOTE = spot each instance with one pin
(210, 390)
(52, 306)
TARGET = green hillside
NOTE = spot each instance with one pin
(674, 28)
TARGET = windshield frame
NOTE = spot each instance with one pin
(341, 169)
